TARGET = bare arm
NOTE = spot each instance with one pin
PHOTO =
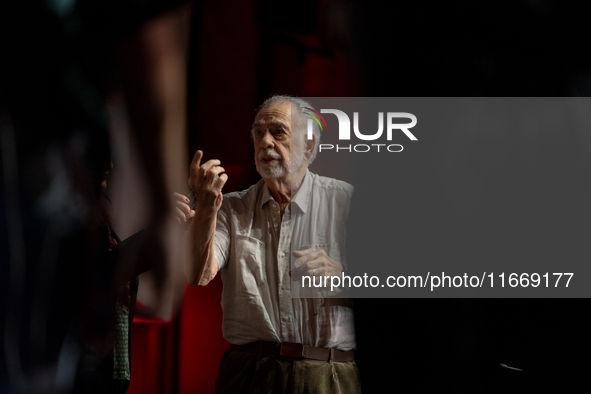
(202, 266)
(152, 65)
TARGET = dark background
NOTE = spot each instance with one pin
(454, 345)
(404, 49)
(441, 49)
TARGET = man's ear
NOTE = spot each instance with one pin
(309, 146)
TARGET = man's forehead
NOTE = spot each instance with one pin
(274, 112)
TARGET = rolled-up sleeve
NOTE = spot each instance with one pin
(222, 238)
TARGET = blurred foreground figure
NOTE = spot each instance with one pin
(263, 240)
(57, 278)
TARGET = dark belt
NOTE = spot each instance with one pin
(295, 350)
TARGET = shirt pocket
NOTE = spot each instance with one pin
(251, 255)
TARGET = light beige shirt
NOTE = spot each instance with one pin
(253, 247)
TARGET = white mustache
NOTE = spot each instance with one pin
(269, 152)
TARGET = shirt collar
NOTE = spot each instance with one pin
(301, 198)
(266, 196)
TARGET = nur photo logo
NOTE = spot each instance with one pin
(345, 130)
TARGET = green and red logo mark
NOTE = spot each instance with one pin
(314, 116)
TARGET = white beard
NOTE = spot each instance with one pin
(275, 170)
(283, 165)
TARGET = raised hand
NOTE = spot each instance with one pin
(207, 180)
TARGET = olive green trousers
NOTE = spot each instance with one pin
(242, 372)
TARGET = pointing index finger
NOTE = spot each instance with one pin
(196, 160)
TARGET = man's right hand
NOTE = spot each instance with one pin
(205, 186)
(202, 267)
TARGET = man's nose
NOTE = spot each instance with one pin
(267, 140)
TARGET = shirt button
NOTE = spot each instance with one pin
(275, 225)
(285, 318)
(282, 254)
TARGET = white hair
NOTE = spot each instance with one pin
(301, 105)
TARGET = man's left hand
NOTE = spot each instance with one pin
(314, 262)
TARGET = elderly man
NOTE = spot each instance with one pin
(279, 343)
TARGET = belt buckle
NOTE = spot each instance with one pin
(293, 350)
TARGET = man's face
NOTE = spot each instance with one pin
(276, 153)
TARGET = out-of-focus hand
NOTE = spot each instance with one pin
(207, 180)
(314, 262)
(182, 210)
